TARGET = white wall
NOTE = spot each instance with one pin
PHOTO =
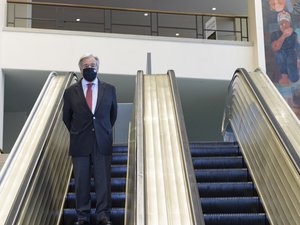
(123, 54)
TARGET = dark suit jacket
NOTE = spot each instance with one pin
(88, 130)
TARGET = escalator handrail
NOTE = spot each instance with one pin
(140, 165)
(197, 211)
(13, 152)
(267, 131)
(135, 181)
(290, 148)
(286, 140)
(15, 211)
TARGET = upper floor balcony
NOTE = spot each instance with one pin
(93, 18)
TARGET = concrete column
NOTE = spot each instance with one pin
(256, 33)
(2, 23)
(1, 107)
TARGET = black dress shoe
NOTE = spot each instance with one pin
(104, 222)
(82, 222)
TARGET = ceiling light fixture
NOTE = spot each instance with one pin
(146, 14)
(177, 34)
(213, 8)
(78, 20)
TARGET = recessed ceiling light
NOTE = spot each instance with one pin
(214, 9)
(78, 20)
(146, 14)
(177, 34)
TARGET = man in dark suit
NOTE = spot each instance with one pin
(89, 113)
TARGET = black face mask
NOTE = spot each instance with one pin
(89, 74)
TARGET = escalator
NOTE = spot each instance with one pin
(118, 175)
(254, 180)
(33, 180)
(161, 178)
(161, 186)
(267, 132)
(44, 190)
(227, 193)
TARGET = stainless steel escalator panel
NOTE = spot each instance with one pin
(268, 134)
(161, 183)
(167, 195)
(35, 176)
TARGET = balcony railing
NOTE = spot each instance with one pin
(126, 21)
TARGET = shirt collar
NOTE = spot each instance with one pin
(85, 82)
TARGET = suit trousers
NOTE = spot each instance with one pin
(101, 166)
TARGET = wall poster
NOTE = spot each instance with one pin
(281, 20)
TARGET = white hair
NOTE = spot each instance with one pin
(88, 55)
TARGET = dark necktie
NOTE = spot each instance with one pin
(89, 95)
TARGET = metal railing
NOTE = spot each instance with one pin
(94, 18)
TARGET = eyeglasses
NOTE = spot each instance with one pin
(92, 65)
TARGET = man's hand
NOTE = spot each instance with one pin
(287, 32)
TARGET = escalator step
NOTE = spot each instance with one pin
(236, 219)
(118, 171)
(204, 152)
(231, 205)
(222, 175)
(120, 149)
(117, 185)
(245, 189)
(227, 194)
(118, 200)
(214, 144)
(119, 159)
(218, 162)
